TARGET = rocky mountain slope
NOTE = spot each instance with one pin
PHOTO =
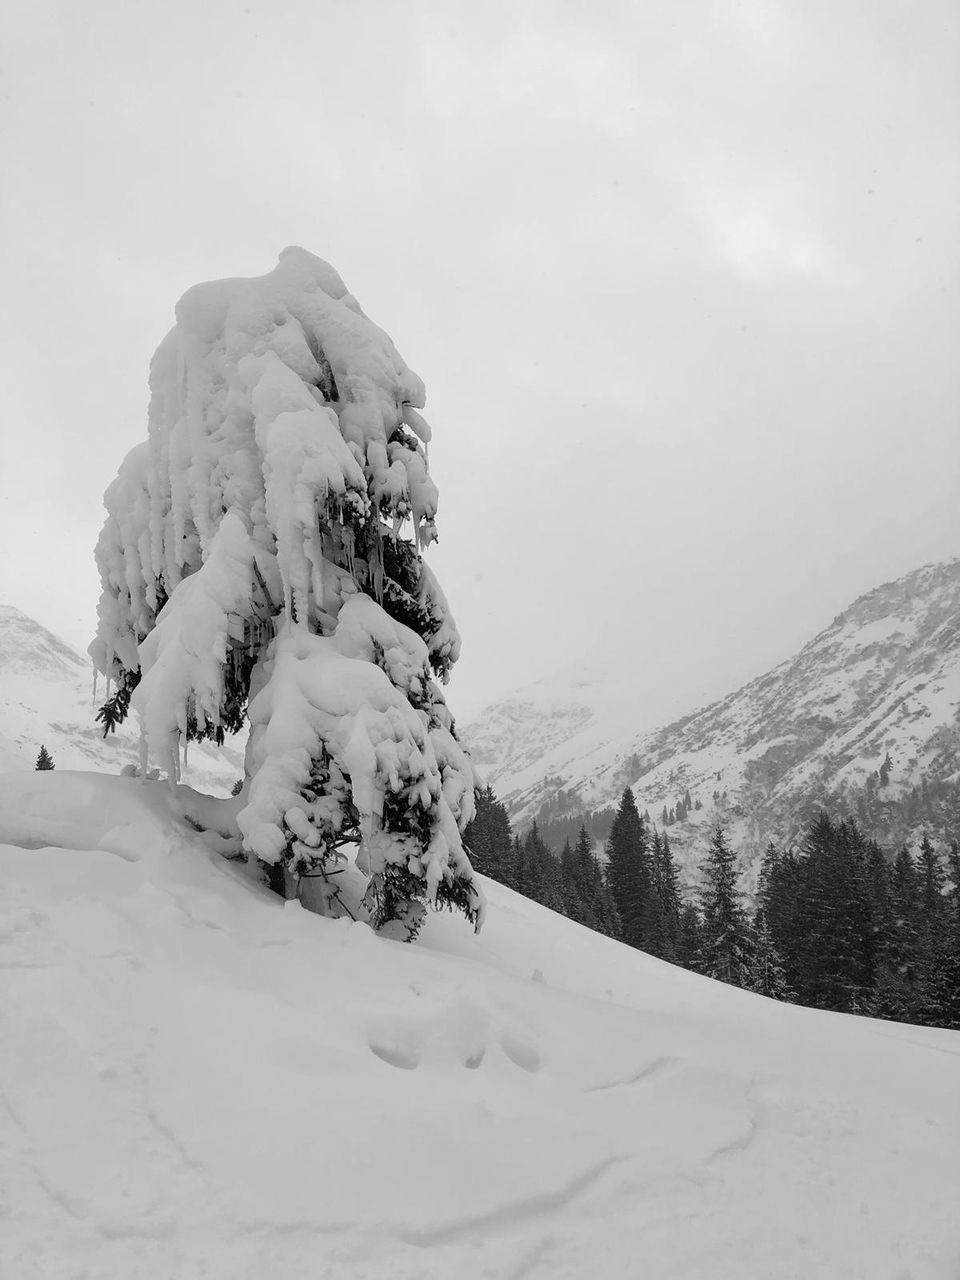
(883, 679)
(46, 696)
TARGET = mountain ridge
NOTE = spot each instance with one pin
(47, 698)
(882, 679)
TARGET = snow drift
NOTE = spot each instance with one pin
(200, 1080)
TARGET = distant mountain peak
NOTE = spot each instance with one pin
(883, 678)
(29, 648)
(46, 697)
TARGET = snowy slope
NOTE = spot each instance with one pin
(883, 677)
(46, 696)
(201, 1081)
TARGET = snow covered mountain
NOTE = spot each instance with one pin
(200, 1080)
(46, 696)
(882, 679)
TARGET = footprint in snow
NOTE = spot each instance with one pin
(460, 1033)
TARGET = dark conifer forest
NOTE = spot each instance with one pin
(838, 923)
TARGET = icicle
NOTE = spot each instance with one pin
(173, 758)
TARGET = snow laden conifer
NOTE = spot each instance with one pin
(262, 558)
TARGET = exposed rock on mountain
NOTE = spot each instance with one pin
(864, 713)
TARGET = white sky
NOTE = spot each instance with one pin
(681, 279)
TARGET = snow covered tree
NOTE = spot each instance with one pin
(44, 760)
(262, 560)
(765, 973)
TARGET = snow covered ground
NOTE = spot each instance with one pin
(46, 696)
(199, 1080)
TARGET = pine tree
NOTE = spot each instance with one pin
(542, 874)
(952, 959)
(933, 986)
(780, 900)
(837, 970)
(44, 760)
(690, 939)
(262, 560)
(489, 840)
(629, 872)
(725, 945)
(576, 904)
(519, 864)
(666, 898)
(608, 917)
(599, 908)
(765, 973)
(884, 775)
(905, 904)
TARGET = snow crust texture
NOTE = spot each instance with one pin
(535, 1102)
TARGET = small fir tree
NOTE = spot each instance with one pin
(44, 760)
(629, 872)
(933, 980)
(489, 840)
(690, 938)
(725, 945)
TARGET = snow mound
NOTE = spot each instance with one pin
(200, 1080)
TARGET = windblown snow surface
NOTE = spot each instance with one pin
(199, 1080)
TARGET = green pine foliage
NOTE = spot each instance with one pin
(44, 760)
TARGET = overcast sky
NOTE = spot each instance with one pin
(681, 280)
